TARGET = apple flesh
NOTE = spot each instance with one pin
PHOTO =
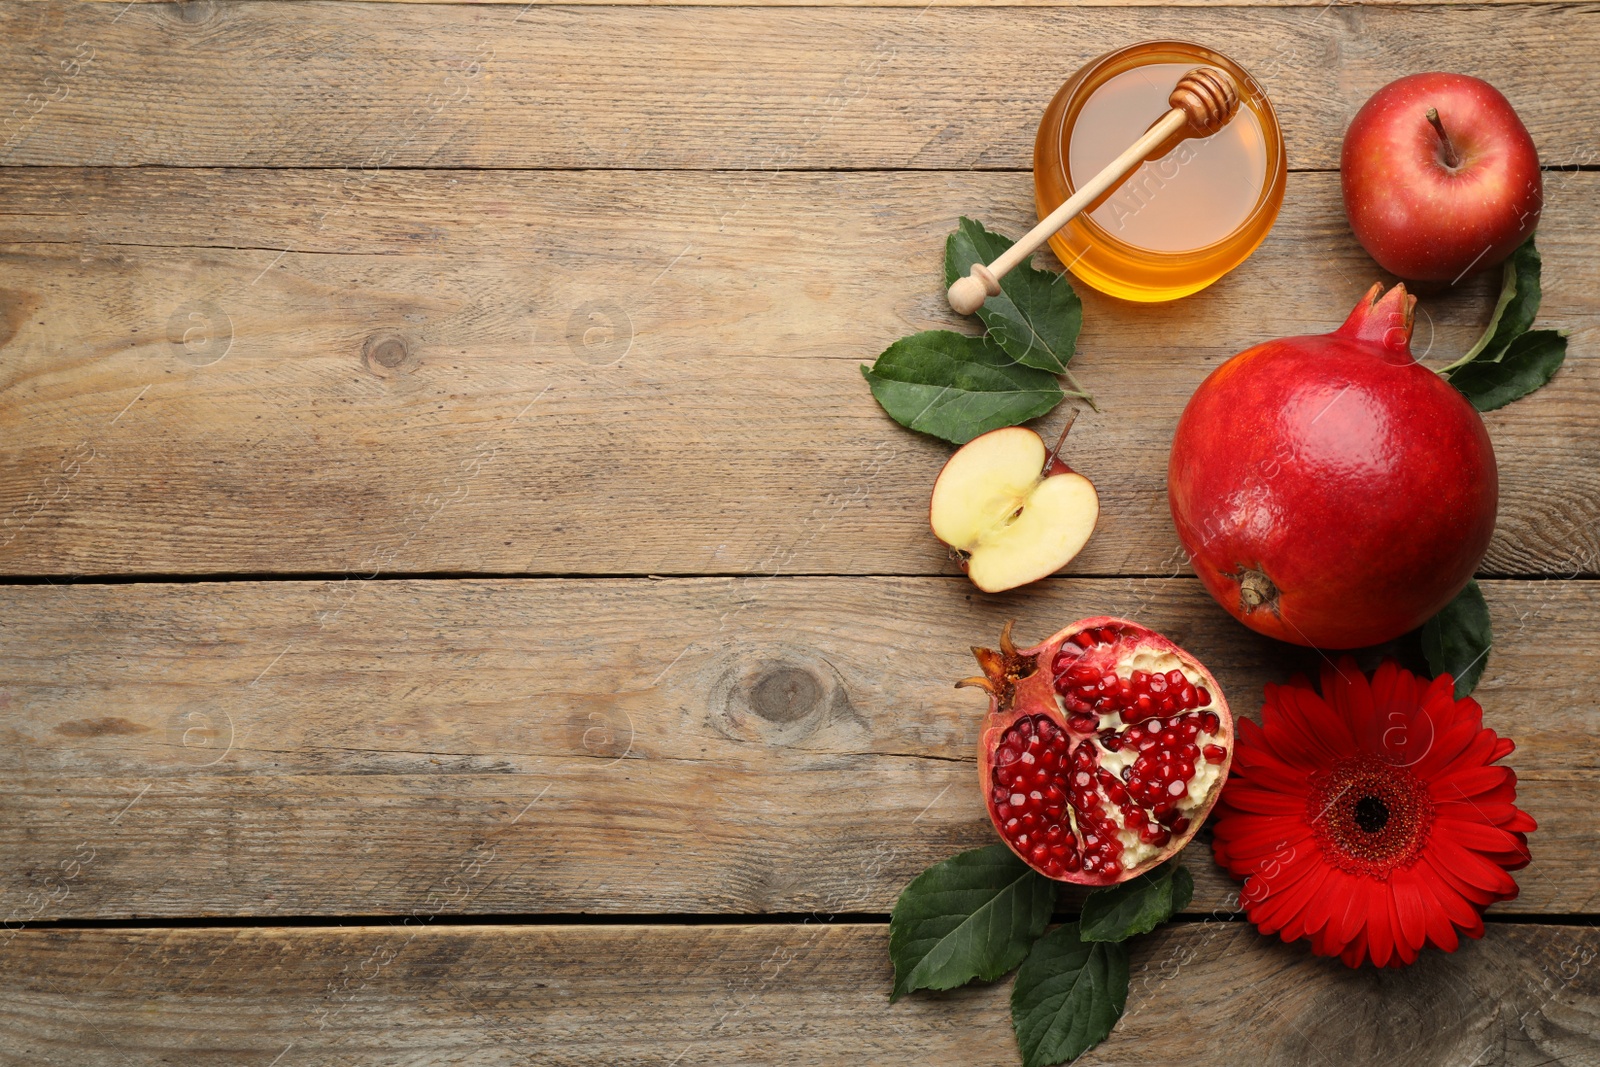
(1013, 519)
(1435, 196)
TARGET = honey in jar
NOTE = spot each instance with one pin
(1184, 217)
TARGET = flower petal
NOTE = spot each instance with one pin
(1477, 835)
(1289, 733)
(1441, 931)
(1252, 797)
(1471, 868)
(1380, 935)
(1354, 917)
(1468, 783)
(1355, 951)
(1410, 911)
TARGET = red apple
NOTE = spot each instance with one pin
(1440, 177)
(1014, 513)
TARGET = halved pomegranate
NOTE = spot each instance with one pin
(1104, 749)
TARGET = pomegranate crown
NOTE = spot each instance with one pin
(1002, 669)
(1383, 318)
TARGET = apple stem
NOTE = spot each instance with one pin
(1072, 417)
(1451, 159)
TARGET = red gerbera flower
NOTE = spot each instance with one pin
(1370, 819)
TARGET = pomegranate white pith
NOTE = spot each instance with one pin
(1104, 750)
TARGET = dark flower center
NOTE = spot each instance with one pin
(1371, 814)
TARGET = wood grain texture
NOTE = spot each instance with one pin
(808, 995)
(747, 89)
(893, 3)
(606, 373)
(629, 746)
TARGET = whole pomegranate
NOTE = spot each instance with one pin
(1332, 491)
(1103, 751)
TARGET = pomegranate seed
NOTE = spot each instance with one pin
(1111, 741)
(1186, 695)
(1185, 769)
(1108, 635)
(1201, 698)
(1215, 753)
(1179, 825)
(1083, 638)
(1111, 868)
(1177, 787)
(1210, 723)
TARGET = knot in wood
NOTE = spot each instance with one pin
(386, 354)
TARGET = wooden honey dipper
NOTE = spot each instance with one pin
(1204, 101)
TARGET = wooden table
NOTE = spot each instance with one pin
(463, 606)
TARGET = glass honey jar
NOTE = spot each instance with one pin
(1186, 216)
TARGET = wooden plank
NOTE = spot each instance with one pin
(749, 89)
(622, 747)
(1201, 993)
(356, 356)
(915, 3)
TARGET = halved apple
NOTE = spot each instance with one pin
(1013, 520)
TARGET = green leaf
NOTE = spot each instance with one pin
(1068, 996)
(1036, 315)
(1456, 641)
(1532, 359)
(1138, 905)
(972, 916)
(1520, 293)
(956, 387)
